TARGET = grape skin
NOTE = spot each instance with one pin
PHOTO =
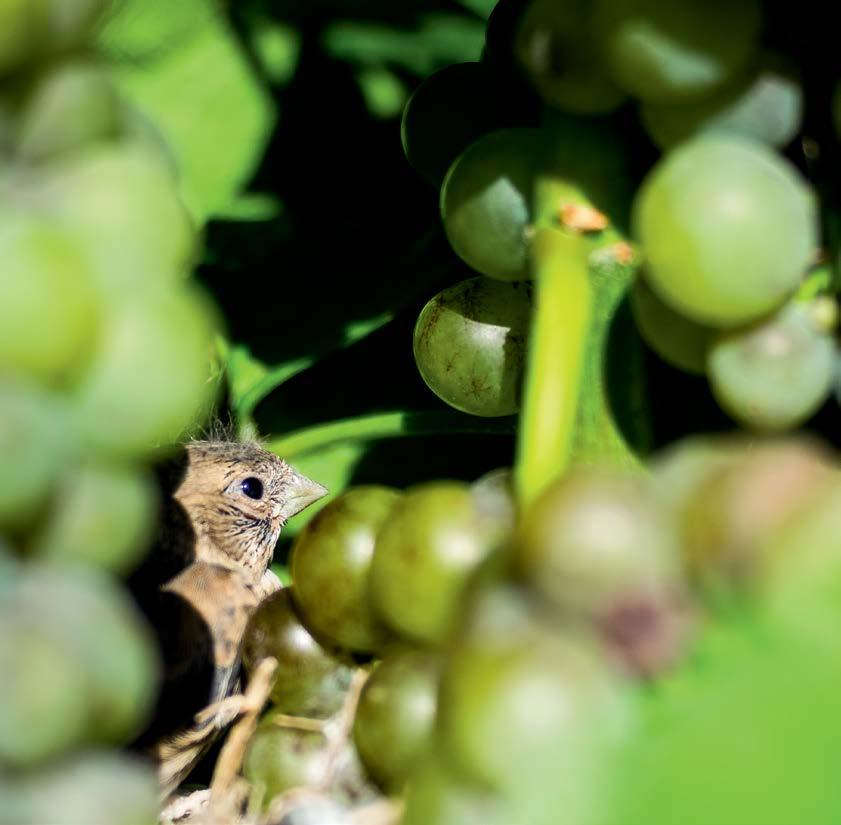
(774, 375)
(727, 228)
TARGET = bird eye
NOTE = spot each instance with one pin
(252, 487)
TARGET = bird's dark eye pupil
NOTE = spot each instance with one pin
(252, 487)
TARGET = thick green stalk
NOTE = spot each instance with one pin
(557, 344)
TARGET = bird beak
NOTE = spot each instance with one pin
(301, 492)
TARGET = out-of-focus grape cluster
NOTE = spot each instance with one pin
(520, 668)
(105, 359)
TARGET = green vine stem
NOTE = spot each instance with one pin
(556, 353)
(385, 425)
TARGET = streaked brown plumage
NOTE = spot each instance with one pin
(226, 505)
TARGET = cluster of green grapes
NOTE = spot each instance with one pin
(105, 358)
(727, 228)
(547, 660)
(509, 658)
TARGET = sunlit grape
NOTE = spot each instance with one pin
(44, 707)
(310, 681)
(330, 563)
(94, 787)
(470, 345)
(776, 373)
(727, 228)
(68, 106)
(121, 202)
(49, 308)
(95, 622)
(31, 436)
(102, 516)
(150, 379)
(522, 703)
(433, 540)
(767, 106)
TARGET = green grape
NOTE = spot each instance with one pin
(555, 44)
(775, 374)
(597, 547)
(486, 198)
(740, 504)
(68, 106)
(330, 563)
(43, 703)
(678, 472)
(21, 21)
(434, 796)
(31, 435)
(96, 624)
(802, 573)
(94, 788)
(727, 227)
(767, 106)
(102, 516)
(280, 758)
(395, 716)
(49, 307)
(463, 97)
(122, 203)
(310, 681)
(135, 127)
(486, 202)
(426, 551)
(150, 379)
(470, 345)
(493, 494)
(527, 708)
(71, 21)
(29, 28)
(9, 567)
(669, 52)
(8, 125)
(677, 340)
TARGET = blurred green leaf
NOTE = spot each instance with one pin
(385, 94)
(439, 39)
(746, 733)
(481, 7)
(181, 63)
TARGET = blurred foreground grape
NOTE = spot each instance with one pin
(96, 247)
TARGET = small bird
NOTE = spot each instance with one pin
(224, 506)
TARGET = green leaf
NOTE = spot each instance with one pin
(439, 40)
(481, 7)
(746, 733)
(182, 65)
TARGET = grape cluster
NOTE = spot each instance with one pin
(727, 227)
(504, 662)
(536, 653)
(105, 359)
